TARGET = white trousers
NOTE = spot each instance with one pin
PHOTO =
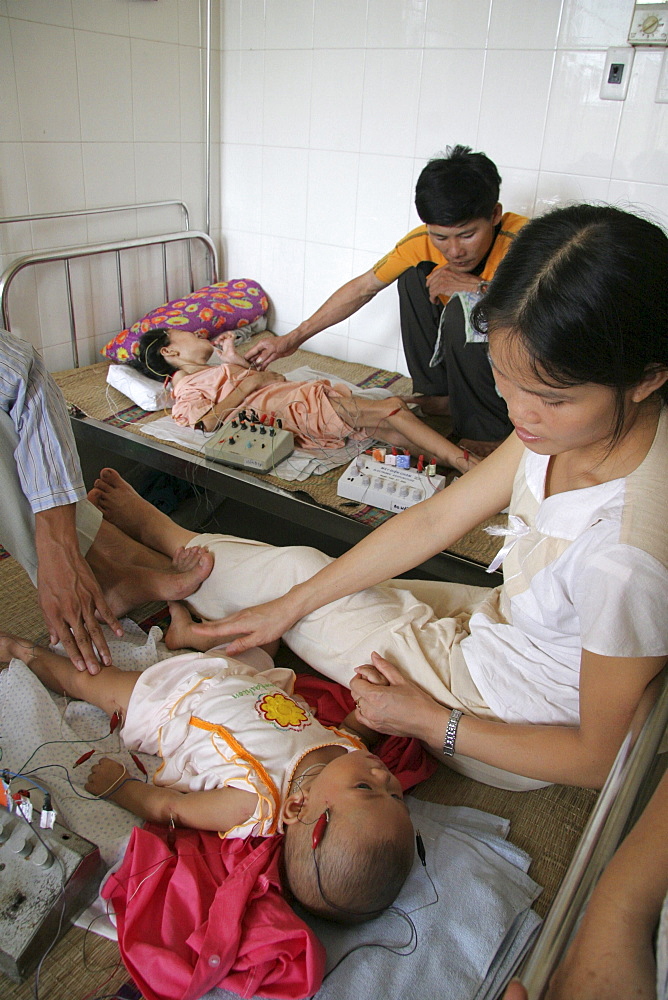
(417, 625)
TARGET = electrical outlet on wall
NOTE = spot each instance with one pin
(616, 74)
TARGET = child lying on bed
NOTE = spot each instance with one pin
(319, 414)
(241, 756)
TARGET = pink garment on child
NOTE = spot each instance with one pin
(303, 407)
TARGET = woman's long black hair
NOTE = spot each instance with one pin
(586, 290)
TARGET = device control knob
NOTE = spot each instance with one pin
(391, 487)
(42, 857)
(403, 492)
(366, 480)
(416, 495)
(378, 483)
(22, 845)
(253, 428)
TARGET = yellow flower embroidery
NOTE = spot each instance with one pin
(282, 710)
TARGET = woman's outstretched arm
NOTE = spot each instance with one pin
(399, 545)
(611, 689)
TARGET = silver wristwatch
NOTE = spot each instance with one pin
(451, 732)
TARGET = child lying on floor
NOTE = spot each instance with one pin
(319, 414)
(242, 757)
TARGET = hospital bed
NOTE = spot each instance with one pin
(570, 833)
(102, 274)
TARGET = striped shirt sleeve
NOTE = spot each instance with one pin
(46, 457)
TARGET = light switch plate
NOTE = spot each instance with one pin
(616, 74)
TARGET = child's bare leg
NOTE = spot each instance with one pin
(122, 506)
(184, 633)
(111, 687)
(131, 574)
(392, 421)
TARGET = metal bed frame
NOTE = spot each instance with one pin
(637, 763)
(297, 509)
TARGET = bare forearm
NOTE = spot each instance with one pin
(146, 801)
(405, 541)
(343, 303)
(556, 754)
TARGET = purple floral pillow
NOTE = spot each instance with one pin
(227, 305)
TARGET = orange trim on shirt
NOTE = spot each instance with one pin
(233, 743)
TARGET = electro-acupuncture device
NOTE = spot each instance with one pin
(388, 481)
(251, 441)
(48, 876)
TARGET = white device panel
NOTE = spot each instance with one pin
(386, 486)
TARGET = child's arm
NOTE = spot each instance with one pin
(249, 383)
(218, 809)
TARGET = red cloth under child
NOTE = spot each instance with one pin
(209, 912)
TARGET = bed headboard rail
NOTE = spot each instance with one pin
(189, 238)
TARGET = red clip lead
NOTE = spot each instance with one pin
(84, 757)
(319, 829)
(139, 764)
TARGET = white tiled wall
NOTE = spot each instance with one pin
(102, 104)
(318, 171)
(325, 111)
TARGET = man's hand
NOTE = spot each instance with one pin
(68, 593)
(270, 349)
(447, 280)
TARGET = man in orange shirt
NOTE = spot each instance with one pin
(442, 268)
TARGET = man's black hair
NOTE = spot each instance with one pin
(456, 188)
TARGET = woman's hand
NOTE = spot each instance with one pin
(104, 775)
(252, 627)
(389, 703)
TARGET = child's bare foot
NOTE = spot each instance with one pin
(185, 559)
(12, 647)
(184, 633)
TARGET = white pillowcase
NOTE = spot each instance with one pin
(145, 392)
